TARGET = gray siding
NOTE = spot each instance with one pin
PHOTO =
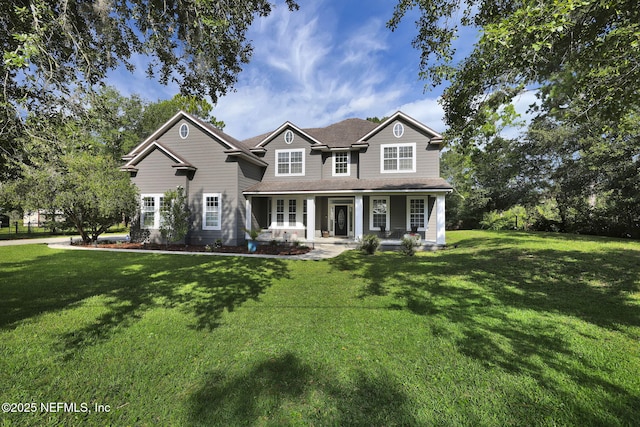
(215, 173)
(156, 175)
(327, 166)
(248, 175)
(427, 156)
(312, 160)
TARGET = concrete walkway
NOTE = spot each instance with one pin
(320, 251)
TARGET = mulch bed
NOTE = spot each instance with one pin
(261, 249)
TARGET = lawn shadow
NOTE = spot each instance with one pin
(282, 391)
(130, 284)
(480, 294)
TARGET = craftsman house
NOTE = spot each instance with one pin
(342, 181)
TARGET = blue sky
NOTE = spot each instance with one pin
(329, 61)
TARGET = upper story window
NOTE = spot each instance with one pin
(184, 131)
(397, 158)
(288, 137)
(342, 163)
(398, 130)
(290, 162)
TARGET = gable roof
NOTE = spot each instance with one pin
(346, 134)
(284, 126)
(180, 163)
(232, 146)
(435, 137)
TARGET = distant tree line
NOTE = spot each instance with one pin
(577, 166)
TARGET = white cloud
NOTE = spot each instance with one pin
(306, 72)
(312, 67)
(427, 111)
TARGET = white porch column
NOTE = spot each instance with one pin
(440, 219)
(359, 217)
(247, 221)
(311, 219)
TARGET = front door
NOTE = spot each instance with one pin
(342, 224)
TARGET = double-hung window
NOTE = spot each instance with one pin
(292, 212)
(397, 158)
(417, 213)
(150, 210)
(290, 162)
(286, 213)
(379, 213)
(211, 212)
(341, 163)
(280, 213)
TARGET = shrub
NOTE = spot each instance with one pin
(175, 214)
(512, 219)
(408, 246)
(370, 244)
(138, 234)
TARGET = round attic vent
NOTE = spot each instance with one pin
(184, 131)
(288, 137)
(398, 130)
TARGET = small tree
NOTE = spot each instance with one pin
(89, 189)
(174, 216)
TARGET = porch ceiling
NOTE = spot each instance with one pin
(352, 185)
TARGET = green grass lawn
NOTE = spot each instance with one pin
(506, 329)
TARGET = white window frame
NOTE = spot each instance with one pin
(334, 163)
(277, 162)
(184, 126)
(280, 213)
(289, 136)
(388, 219)
(157, 198)
(425, 199)
(285, 213)
(398, 146)
(293, 210)
(398, 130)
(204, 212)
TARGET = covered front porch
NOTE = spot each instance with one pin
(341, 218)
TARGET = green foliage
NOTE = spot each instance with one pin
(175, 216)
(157, 113)
(199, 45)
(512, 219)
(581, 53)
(510, 328)
(253, 233)
(56, 55)
(376, 119)
(584, 176)
(370, 244)
(89, 189)
(408, 246)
